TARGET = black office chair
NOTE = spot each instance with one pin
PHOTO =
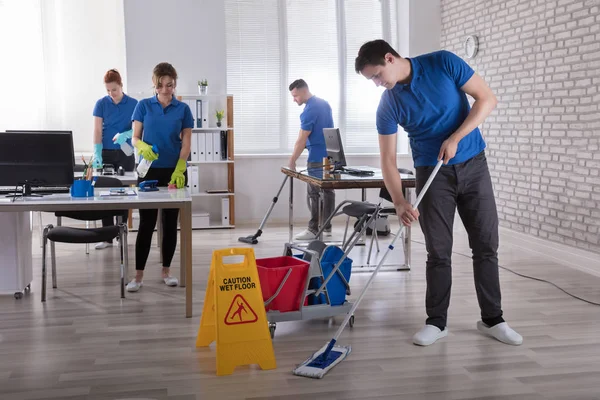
(93, 216)
(65, 234)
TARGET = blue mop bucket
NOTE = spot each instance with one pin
(335, 287)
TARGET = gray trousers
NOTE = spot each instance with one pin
(468, 188)
(312, 197)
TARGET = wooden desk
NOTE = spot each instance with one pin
(315, 177)
(163, 198)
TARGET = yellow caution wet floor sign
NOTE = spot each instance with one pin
(234, 314)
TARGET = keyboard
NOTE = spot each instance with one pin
(357, 172)
(36, 190)
(51, 189)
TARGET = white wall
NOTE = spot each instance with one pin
(424, 26)
(189, 34)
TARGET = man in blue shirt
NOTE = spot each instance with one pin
(426, 95)
(315, 116)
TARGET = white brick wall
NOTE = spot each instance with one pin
(542, 60)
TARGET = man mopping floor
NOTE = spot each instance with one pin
(426, 95)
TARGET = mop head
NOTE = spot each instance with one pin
(323, 361)
(248, 239)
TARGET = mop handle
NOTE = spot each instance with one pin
(390, 247)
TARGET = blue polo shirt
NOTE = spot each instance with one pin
(431, 108)
(116, 118)
(162, 127)
(316, 116)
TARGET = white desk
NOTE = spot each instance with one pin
(164, 198)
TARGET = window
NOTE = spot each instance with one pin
(23, 66)
(51, 85)
(271, 43)
(363, 23)
(254, 73)
(312, 49)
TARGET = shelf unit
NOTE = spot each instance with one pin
(202, 164)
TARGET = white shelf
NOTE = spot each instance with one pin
(210, 162)
(212, 194)
(213, 129)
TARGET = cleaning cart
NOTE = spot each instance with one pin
(312, 283)
(296, 287)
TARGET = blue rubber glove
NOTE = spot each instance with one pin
(122, 137)
(97, 162)
(177, 177)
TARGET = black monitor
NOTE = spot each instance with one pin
(335, 149)
(41, 159)
(335, 153)
(34, 131)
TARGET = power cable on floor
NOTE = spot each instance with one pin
(529, 277)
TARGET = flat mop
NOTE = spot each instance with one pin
(253, 239)
(328, 356)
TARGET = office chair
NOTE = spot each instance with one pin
(65, 234)
(93, 216)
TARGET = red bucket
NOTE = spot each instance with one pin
(272, 271)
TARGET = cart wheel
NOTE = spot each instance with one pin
(272, 330)
(351, 321)
(28, 287)
(18, 295)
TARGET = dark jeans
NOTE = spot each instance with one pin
(148, 223)
(117, 158)
(468, 188)
(312, 193)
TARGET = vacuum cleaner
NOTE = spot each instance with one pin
(253, 239)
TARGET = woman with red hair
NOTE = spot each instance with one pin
(112, 115)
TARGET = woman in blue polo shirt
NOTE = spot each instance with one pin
(166, 123)
(112, 115)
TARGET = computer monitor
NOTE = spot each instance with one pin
(335, 149)
(42, 158)
(34, 131)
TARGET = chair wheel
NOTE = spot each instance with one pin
(28, 288)
(18, 295)
(351, 321)
(272, 327)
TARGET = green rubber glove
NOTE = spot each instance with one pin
(177, 177)
(145, 150)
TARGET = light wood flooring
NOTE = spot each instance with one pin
(86, 343)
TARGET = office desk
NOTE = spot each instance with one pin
(164, 198)
(315, 177)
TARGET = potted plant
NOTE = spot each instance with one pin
(203, 86)
(220, 114)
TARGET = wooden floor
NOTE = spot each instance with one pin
(85, 343)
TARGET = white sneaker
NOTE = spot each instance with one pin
(429, 334)
(501, 332)
(171, 281)
(103, 245)
(134, 285)
(306, 235)
(327, 233)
